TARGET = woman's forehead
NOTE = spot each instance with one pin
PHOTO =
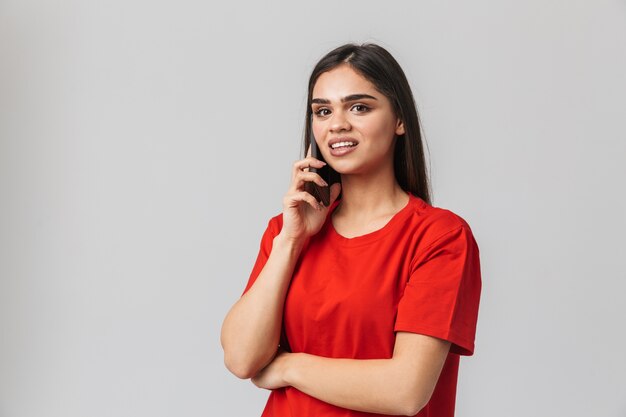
(340, 82)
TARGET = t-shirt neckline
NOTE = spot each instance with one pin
(395, 221)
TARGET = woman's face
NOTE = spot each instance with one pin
(353, 123)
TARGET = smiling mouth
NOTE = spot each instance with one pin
(343, 144)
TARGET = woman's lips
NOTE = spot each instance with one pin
(343, 150)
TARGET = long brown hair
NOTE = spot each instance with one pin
(380, 68)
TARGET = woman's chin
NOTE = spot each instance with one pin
(351, 167)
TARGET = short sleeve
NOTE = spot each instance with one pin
(442, 295)
(271, 231)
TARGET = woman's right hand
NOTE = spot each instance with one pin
(303, 216)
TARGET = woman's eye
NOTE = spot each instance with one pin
(360, 108)
(322, 112)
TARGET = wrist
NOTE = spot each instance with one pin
(291, 367)
(290, 244)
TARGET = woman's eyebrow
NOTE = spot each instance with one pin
(351, 97)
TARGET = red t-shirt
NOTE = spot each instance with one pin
(419, 273)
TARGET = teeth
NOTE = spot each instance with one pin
(340, 144)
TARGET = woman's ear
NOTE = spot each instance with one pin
(399, 128)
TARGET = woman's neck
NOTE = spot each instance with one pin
(364, 197)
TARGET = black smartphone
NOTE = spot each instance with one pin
(326, 172)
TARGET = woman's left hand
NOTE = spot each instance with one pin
(273, 375)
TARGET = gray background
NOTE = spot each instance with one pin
(144, 145)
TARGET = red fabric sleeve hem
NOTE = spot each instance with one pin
(460, 345)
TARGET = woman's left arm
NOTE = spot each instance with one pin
(401, 385)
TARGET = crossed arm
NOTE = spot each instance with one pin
(401, 385)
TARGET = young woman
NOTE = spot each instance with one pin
(363, 306)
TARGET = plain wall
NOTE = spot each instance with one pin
(145, 144)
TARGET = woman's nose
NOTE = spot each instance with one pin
(339, 122)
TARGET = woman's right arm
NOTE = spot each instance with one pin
(252, 327)
(251, 330)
